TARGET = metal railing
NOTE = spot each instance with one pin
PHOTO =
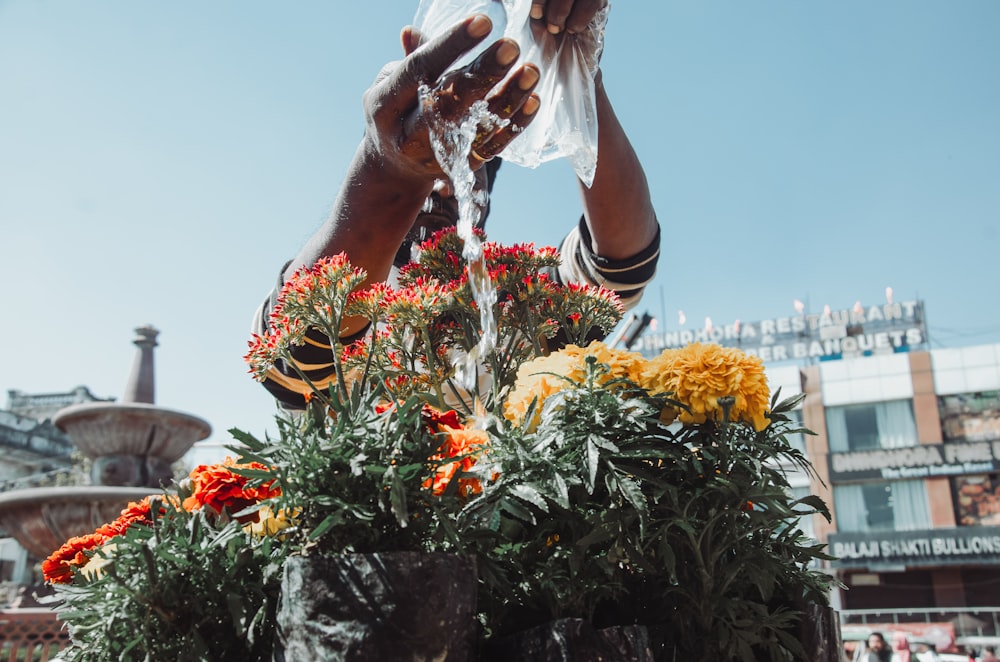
(968, 621)
(31, 635)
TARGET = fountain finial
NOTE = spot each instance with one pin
(141, 382)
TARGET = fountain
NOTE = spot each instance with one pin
(132, 445)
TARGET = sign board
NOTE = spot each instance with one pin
(859, 331)
(912, 462)
(928, 547)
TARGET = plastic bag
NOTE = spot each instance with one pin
(566, 123)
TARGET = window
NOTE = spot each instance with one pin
(871, 426)
(882, 506)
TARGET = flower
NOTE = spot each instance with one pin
(220, 487)
(99, 560)
(59, 567)
(270, 523)
(561, 468)
(542, 377)
(462, 446)
(700, 374)
(171, 579)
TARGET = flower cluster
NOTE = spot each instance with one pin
(217, 486)
(706, 382)
(420, 327)
(76, 553)
(191, 574)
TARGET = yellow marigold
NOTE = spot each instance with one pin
(543, 376)
(270, 523)
(698, 375)
(102, 557)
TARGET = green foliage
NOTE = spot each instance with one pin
(189, 587)
(355, 478)
(605, 513)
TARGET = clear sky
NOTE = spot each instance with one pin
(159, 161)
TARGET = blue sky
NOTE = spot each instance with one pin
(160, 160)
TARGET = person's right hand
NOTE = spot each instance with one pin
(398, 121)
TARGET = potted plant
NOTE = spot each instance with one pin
(570, 501)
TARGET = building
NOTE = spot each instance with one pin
(907, 455)
(35, 453)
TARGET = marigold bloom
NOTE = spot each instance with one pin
(58, 568)
(699, 374)
(136, 512)
(94, 567)
(218, 487)
(459, 442)
(270, 523)
(546, 375)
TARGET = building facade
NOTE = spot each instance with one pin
(906, 452)
(907, 446)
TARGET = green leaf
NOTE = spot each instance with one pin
(531, 495)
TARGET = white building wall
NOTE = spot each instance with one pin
(866, 379)
(966, 369)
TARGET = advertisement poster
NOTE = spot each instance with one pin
(977, 500)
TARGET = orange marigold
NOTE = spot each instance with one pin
(459, 442)
(219, 487)
(59, 567)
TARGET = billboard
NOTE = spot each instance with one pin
(830, 335)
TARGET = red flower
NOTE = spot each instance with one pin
(58, 568)
(135, 512)
(218, 487)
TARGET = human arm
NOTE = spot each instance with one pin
(617, 241)
(394, 169)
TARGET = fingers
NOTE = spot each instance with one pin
(458, 90)
(487, 146)
(427, 61)
(411, 39)
(569, 15)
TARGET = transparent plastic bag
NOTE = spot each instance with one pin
(566, 123)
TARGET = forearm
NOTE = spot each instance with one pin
(617, 207)
(371, 215)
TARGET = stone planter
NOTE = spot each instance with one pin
(392, 606)
(572, 640)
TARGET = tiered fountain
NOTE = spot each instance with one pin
(132, 445)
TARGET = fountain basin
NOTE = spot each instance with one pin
(144, 430)
(41, 519)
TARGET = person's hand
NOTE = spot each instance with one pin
(570, 15)
(399, 117)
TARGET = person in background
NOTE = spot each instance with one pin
(395, 193)
(989, 655)
(878, 649)
(927, 653)
(900, 647)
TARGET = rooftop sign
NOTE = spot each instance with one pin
(830, 335)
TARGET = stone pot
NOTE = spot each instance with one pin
(407, 606)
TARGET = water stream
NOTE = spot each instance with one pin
(452, 143)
